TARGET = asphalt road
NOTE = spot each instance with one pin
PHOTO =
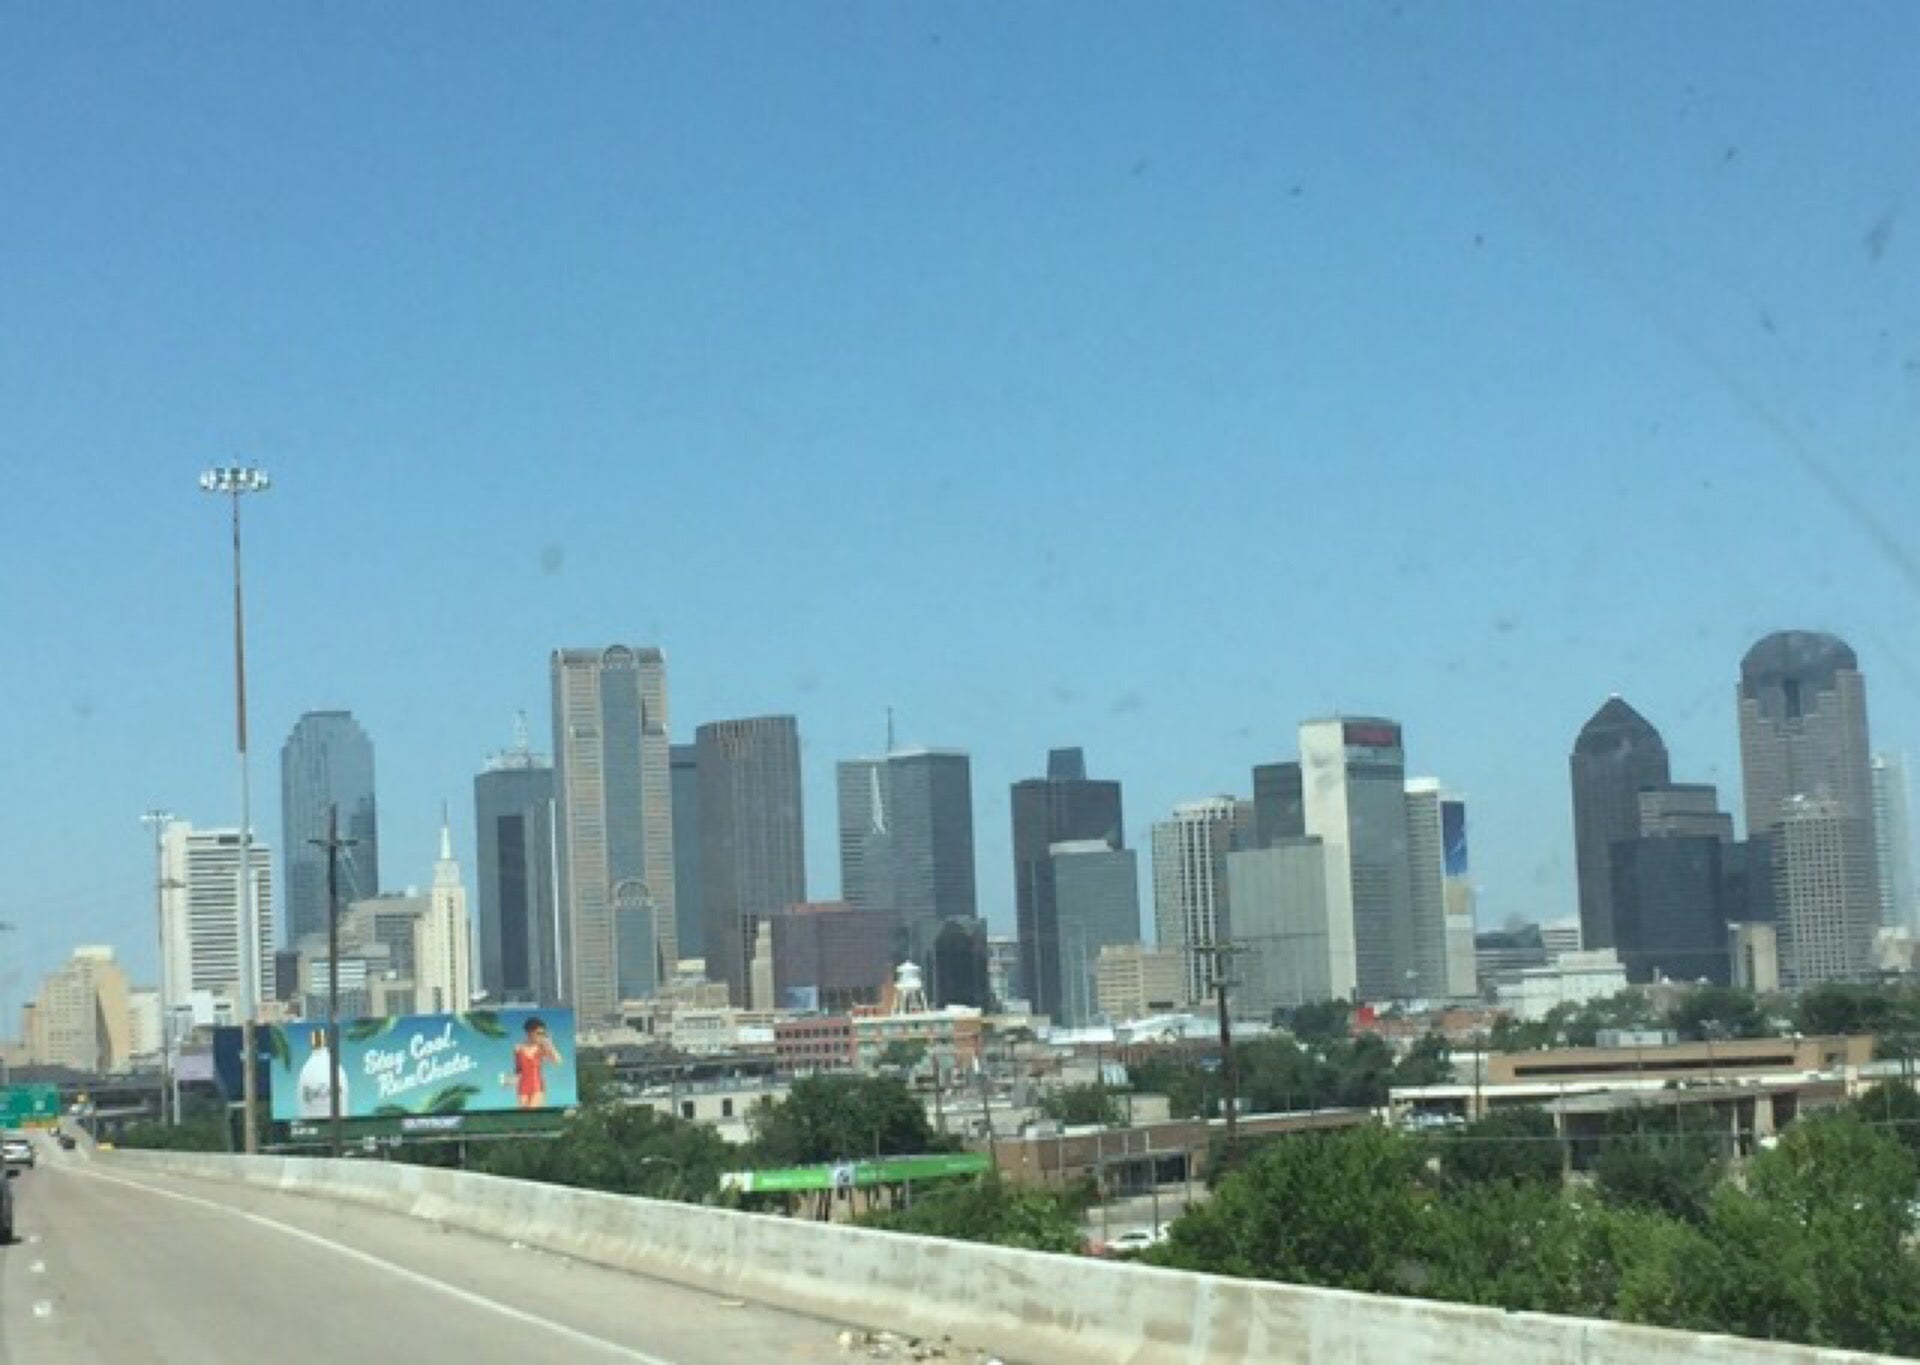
(106, 1267)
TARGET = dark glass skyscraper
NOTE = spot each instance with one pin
(1617, 756)
(1065, 806)
(326, 761)
(513, 806)
(686, 850)
(752, 837)
(1805, 761)
(906, 845)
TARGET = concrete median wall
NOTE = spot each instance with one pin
(1024, 1305)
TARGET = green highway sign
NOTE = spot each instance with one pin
(849, 1175)
(29, 1106)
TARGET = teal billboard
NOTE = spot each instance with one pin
(405, 1065)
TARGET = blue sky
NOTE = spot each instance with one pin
(1137, 376)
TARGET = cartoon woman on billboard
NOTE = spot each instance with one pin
(530, 1058)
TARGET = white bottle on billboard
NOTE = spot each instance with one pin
(314, 1095)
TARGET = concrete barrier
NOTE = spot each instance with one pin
(1025, 1305)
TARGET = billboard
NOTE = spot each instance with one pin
(400, 1066)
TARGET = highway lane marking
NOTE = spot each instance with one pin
(38, 1268)
(454, 1291)
(43, 1308)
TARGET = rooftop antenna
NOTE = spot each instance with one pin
(889, 729)
(520, 743)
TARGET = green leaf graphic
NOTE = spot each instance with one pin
(451, 1100)
(392, 1111)
(364, 1030)
(278, 1046)
(486, 1023)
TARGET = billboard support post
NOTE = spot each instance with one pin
(333, 843)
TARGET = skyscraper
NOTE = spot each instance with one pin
(1279, 897)
(613, 784)
(1427, 888)
(1675, 886)
(200, 910)
(513, 806)
(688, 917)
(1617, 755)
(752, 837)
(1279, 803)
(1804, 758)
(443, 940)
(1095, 890)
(327, 761)
(1356, 804)
(1463, 978)
(1191, 899)
(1893, 843)
(906, 845)
(1064, 806)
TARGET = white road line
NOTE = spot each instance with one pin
(43, 1308)
(559, 1329)
(38, 1268)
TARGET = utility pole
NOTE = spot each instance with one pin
(157, 821)
(333, 843)
(1221, 955)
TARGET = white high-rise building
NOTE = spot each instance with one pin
(1893, 843)
(200, 912)
(443, 940)
(1190, 907)
(1353, 791)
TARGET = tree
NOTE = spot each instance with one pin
(1720, 1012)
(1192, 1091)
(1839, 1008)
(903, 1054)
(1666, 1163)
(989, 1210)
(1525, 1246)
(622, 1149)
(1338, 1209)
(1321, 1021)
(1084, 1104)
(1846, 1190)
(1894, 1108)
(1509, 1146)
(1428, 1062)
(838, 1118)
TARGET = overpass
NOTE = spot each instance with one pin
(172, 1256)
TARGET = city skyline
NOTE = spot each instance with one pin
(1264, 776)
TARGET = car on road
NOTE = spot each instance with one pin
(16, 1150)
(1135, 1240)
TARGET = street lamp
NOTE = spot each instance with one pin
(233, 482)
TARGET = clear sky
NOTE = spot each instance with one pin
(1140, 376)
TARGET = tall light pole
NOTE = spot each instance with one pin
(233, 482)
(157, 821)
